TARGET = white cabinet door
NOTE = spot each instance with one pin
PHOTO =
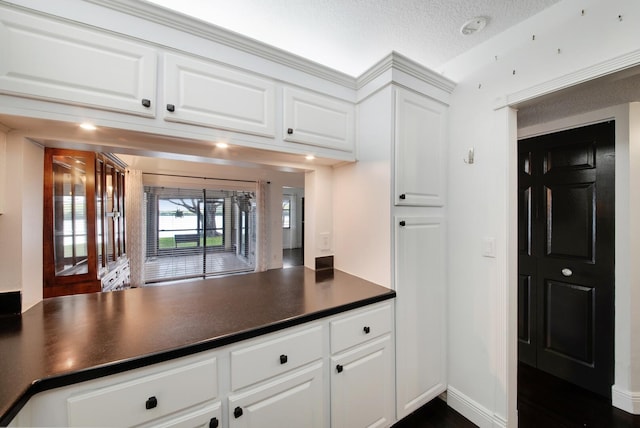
(362, 386)
(61, 62)
(420, 311)
(292, 400)
(420, 133)
(318, 120)
(207, 94)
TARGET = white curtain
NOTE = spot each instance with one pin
(135, 221)
(262, 235)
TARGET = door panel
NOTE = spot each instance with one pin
(566, 255)
(569, 320)
(570, 210)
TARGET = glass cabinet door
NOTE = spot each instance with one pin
(70, 214)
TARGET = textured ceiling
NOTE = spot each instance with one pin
(352, 35)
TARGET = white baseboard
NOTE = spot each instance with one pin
(629, 401)
(473, 411)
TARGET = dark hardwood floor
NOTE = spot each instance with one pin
(547, 401)
(544, 401)
(435, 414)
(292, 257)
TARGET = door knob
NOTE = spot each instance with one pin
(567, 272)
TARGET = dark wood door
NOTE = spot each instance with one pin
(566, 254)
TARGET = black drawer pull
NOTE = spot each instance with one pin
(237, 412)
(403, 196)
(171, 107)
(283, 359)
(339, 368)
(367, 329)
(146, 103)
(151, 403)
(213, 423)
(290, 131)
(403, 223)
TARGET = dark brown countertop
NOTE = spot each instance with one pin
(71, 339)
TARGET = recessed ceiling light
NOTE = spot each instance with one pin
(222, 145)
(474, 25)
(88, 126)
(309, 157)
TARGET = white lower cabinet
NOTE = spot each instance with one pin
(362, 390)
(209, 416)
(277, 380)
(144, 399)
(421, 325)
(362, 386)
(292, 400)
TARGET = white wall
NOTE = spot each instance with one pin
(482, 321)
(318, 216)
(21, 223)
(3, 165)
(362, 233)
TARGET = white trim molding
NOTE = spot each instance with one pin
(629, 401)
(595, 71)
(474, 411)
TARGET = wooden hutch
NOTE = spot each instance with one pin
(84, 223)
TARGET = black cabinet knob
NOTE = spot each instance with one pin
(290, 131)
(283, 359)
(367, 329)
(171, 107)
(151, 403)
(146, 103)
(213, 423)
(403, 223)
(237, 412)
(339, 368)
(403, 196)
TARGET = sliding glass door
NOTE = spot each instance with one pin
(197, 233)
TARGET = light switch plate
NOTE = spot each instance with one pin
(489, 247)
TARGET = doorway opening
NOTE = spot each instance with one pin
(566, 258)
(292, 226)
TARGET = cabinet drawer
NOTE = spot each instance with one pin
(147, 398)
(208, 416)
(273, 357)
(360, 327)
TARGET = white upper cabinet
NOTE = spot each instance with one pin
(204, 93)
(318, 120)
(55, 61)
(420, 133)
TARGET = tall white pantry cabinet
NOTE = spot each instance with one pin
(403, 125)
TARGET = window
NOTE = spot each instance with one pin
(286, 212)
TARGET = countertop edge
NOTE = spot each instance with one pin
(41, 385)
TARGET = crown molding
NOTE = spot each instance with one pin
(400, 62)
(159, 15)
